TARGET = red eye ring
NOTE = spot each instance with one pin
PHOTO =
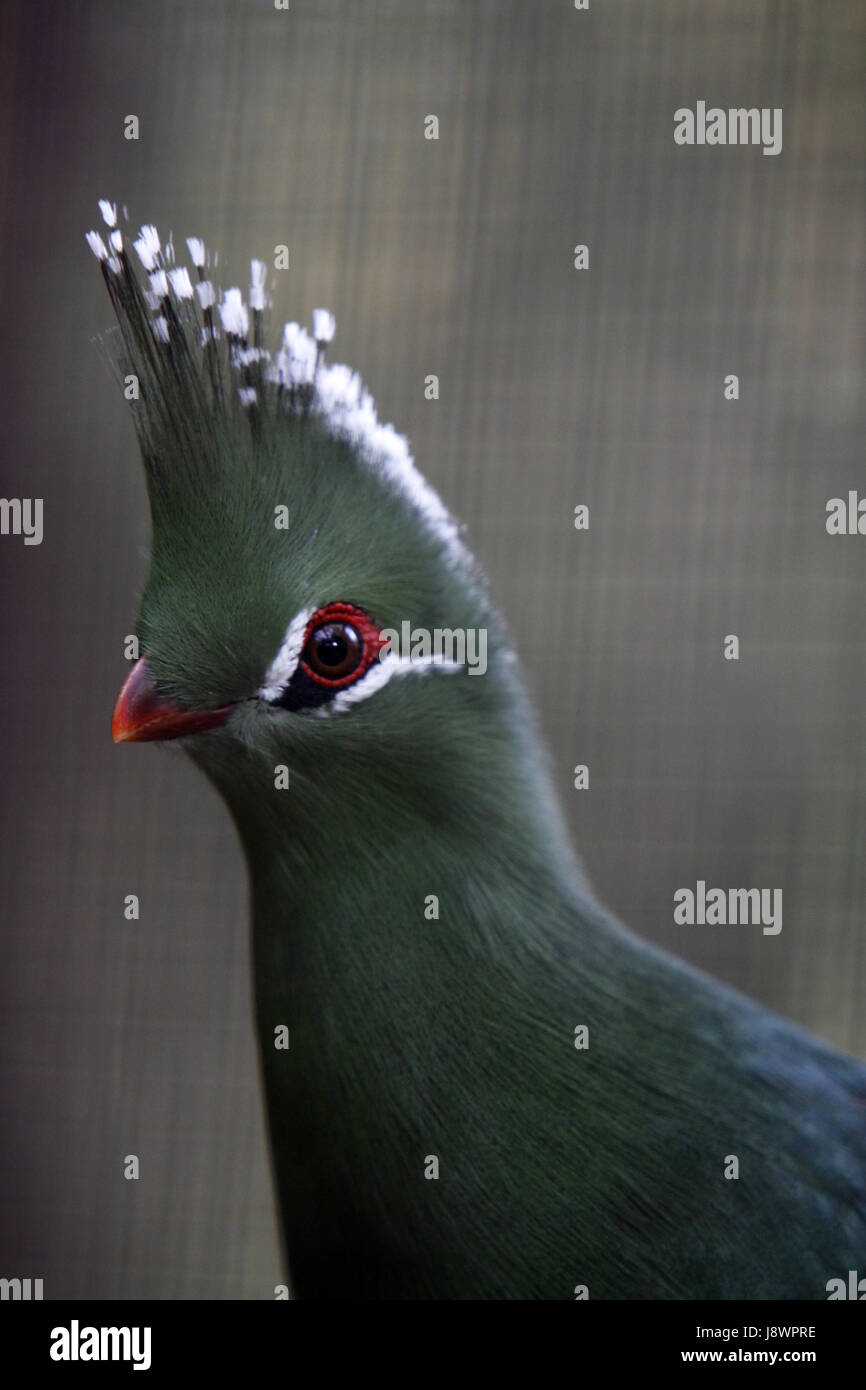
(368, 633)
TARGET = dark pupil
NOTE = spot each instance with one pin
(334, 650)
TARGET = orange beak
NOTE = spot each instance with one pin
(141, 714)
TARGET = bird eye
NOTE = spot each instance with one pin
(333, 651)
(340, 645)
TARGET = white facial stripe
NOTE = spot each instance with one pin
(380, 673)
(285, 663)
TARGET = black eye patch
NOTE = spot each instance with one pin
(302, 692)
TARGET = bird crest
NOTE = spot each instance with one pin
(194, 362)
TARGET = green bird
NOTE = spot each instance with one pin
(478, 1084)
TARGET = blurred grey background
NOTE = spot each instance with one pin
(558, 387)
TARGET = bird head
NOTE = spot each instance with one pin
(292, 533)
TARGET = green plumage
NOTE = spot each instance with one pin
(453, 1037)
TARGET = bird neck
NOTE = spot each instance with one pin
(409, 932)
(345, 853)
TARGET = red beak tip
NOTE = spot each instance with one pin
(142, 715)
